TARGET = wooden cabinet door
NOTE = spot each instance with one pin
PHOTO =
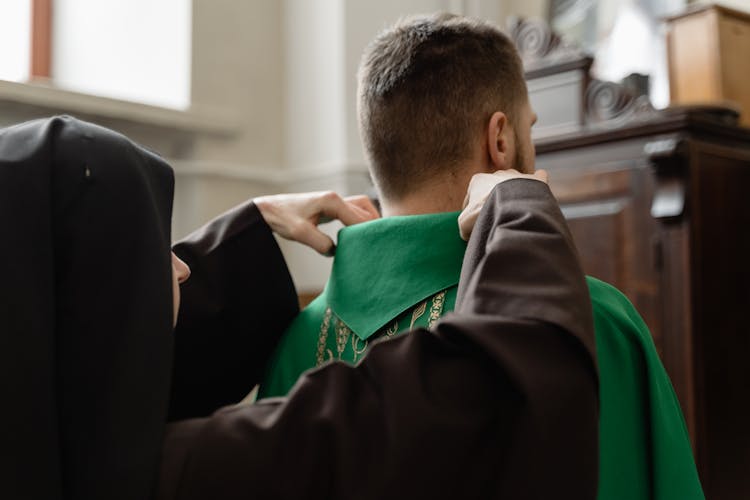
(607, 207)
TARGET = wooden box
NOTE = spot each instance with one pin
(709, 58)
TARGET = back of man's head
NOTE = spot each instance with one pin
(427, 88)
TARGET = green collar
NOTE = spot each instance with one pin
(385, 266)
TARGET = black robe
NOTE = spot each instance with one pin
(500, 400)
(85, 312)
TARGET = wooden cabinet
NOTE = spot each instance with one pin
(659, 206)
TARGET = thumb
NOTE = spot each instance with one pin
(466, 221)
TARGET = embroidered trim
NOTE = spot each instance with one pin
(358, 352)
(390, 332)
(343, 332)
(418, 312)
(342, 336)
(322, 338)
(438, 301)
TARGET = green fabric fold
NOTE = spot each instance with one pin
(385, 266)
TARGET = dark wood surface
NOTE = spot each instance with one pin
(659, 207)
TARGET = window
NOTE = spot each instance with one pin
(15, 40)
(135, 50)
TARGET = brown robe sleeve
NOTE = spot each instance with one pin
(499, 400)
(235, 306)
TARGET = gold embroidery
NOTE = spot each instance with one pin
(438, 301)
(390, 332)
(418, 312)
(343, 332)
(322, 338)
(342, 336)
(355, 343)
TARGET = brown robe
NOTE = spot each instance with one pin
(499, 400)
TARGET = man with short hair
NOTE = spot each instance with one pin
(442, 100)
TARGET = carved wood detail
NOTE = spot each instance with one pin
(541, 47)
(614, 104)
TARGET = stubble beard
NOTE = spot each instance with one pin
(519, 156)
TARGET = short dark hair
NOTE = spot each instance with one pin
(427, 87)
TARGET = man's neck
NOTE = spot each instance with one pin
(420, 204)
(445, 194)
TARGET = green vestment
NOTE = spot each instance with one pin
(395, 273)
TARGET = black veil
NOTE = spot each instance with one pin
(84, 268)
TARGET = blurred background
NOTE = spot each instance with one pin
(248, 97)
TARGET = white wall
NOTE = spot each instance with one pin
(314, 82)
(238, 71)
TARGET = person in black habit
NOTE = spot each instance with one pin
(102, 399)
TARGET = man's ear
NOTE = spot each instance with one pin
(498, 141)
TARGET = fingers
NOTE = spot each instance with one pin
(309, 234)
(332, 205)
(466, 221)
(349, 210)
(295, 216)
(365, 203)
(480, 186)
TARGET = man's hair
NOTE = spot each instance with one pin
(427, 88)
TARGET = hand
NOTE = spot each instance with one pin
(296, 216)
(480, 187)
